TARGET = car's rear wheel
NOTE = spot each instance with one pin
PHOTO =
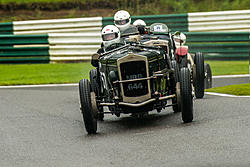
(208, 76)
(199, 75)
(88, 111)
(96, 88)
(176, 70)
(177, 99)
(186, 96)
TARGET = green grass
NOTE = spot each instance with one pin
(73, 72)
(239, 90)
(229, 67)
(43, 73)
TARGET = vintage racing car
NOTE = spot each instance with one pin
(135, 78)
(201, 76)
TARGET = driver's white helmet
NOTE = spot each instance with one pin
(179, 38)
(122, 19)
(110, 34)
(139, 22)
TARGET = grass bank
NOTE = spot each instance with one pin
(239, 90)
(73, 72)
(229, 67)
(43, 73)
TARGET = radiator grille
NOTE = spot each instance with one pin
(134, 70)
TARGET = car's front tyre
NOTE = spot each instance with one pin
(186, 95)
(87, 109)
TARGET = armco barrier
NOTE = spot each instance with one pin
(227, 21)
(6, 28)
(75, 25)
(51, 47)
(24, 49)
(23, 39)
(218, 45)
(78, 38)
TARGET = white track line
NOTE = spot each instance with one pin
(223, 95)
(38, 86)
(232, 76)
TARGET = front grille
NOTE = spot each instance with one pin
(134, 70)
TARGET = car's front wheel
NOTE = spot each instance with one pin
(96, 88)
(199, 75)
(186, 95)
(88, 111)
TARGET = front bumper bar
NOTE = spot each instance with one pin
(139, 104)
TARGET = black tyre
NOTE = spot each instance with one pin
(183, 62)
(89, 118)
(186, 95)
(177, 99)
(208, 76)
(96, 88)
(93, 81)
(199, 75)
(176, 70)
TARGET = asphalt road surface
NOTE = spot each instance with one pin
(223, 81)
(43, 127)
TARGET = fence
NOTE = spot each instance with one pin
(78, 38)
(220, 45)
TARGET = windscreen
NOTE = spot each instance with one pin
(159, 27)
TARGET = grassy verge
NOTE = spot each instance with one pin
(73, 72)
(43, 73)
(239, 90)
(229, 67)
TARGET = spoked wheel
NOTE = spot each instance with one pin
(199, 75)
(88, 106)
(186, 96)
(208, 76)
(96, 88)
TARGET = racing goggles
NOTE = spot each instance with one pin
(109, 37)
(121, 22)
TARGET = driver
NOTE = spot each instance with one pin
(122, 20)
(141, 26)
(110, 35)
(179, 38)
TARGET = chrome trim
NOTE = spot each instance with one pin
(130, 58)
(138, 104)
(133, 80)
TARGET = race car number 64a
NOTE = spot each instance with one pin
(135, 86)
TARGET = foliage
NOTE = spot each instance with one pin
(136, 7)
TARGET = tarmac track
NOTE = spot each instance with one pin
(43, 127)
